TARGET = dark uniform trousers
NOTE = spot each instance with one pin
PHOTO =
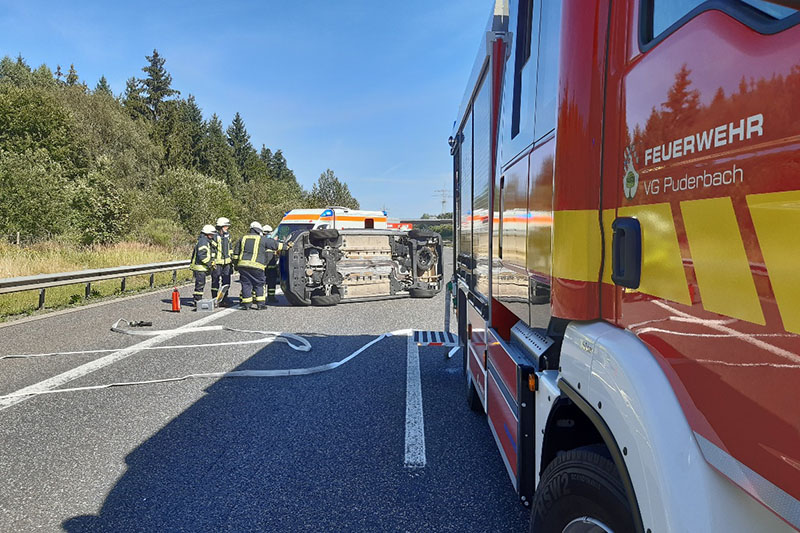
(199, 284)
(220, 273)
(272, 277)
(253, 281)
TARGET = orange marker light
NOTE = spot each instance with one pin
(533, 383)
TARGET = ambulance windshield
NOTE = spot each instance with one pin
(284, 230)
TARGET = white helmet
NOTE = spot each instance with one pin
(256, 226)
(208, 229)
(222, 221)
(266, 228)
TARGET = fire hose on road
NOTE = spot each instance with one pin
(295, 342)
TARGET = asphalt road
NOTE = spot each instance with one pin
(320, 452)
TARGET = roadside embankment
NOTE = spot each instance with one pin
(54, 257)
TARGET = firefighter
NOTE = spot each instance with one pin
(203, 258)
(272, 269)
(250, 258)
(223, 267)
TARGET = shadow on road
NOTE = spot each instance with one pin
(322, 452)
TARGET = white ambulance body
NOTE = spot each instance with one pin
(332, 217)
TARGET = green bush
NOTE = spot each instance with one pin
(163, 232)
(35, 195)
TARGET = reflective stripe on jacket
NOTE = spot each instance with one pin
(223, 243)
(253, 249)
(202, 255)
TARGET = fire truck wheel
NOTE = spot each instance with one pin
(473, 400)
(325, 300)
(422, 293)
(581, 490)
(422, 234)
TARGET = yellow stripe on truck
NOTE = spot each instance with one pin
(577, 248)
(662, 266)
(776, 217)
(723, 271)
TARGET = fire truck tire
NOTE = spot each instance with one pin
(325, 300)
(323, 234)
(578, 485)
(422, 293)
(422, 234)
(473, 400)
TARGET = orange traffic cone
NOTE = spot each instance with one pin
(176, 300)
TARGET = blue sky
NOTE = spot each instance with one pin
(369, 89)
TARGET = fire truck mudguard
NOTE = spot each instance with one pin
(327, 266)
(614, 374)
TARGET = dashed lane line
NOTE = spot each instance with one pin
(415, 421)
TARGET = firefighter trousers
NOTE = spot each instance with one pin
(199, 284)
(220, 273)
(272, 281)
(253, 281)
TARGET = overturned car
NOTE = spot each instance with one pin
(326, 266)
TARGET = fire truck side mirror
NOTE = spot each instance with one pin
(626, 254)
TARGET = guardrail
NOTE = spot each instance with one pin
(44, 281)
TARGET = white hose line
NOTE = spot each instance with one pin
(301, 345)
(305, 346)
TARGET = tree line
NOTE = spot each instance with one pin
(92, 167)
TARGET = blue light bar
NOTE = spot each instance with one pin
(327, 213)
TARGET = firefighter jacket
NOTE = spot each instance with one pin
(203, 255)
(223, 246)
(253, 250)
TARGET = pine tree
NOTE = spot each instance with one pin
(157, 84)
(330, 191)
(216, 155)
(192, 117)
(265, 154)
(133, 100)
(59, 74)
(239, 141)
(43, 77)
(103, 87)
(72, 76)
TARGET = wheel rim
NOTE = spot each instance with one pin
(586, 524)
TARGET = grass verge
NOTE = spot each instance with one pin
(50, 258)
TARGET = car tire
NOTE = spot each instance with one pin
(326, 300)
(323, 234)
(295, 300)
(578, 487)
(418, 234)
(422, 293)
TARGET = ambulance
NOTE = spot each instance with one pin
(329, 218)
(627, 261)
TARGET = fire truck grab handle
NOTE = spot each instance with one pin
(626, 256)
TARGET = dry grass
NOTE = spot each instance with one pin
(50, 258)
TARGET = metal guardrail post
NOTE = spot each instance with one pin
(152, 280)
(88, 290)
(174, 277)
(41, 299)
(122, 285)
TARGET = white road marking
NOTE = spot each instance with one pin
(97, 364)
(415, 421)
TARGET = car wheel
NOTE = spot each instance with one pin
(422, 293)
(418, 234)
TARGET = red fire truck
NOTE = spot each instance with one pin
(627, 198)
